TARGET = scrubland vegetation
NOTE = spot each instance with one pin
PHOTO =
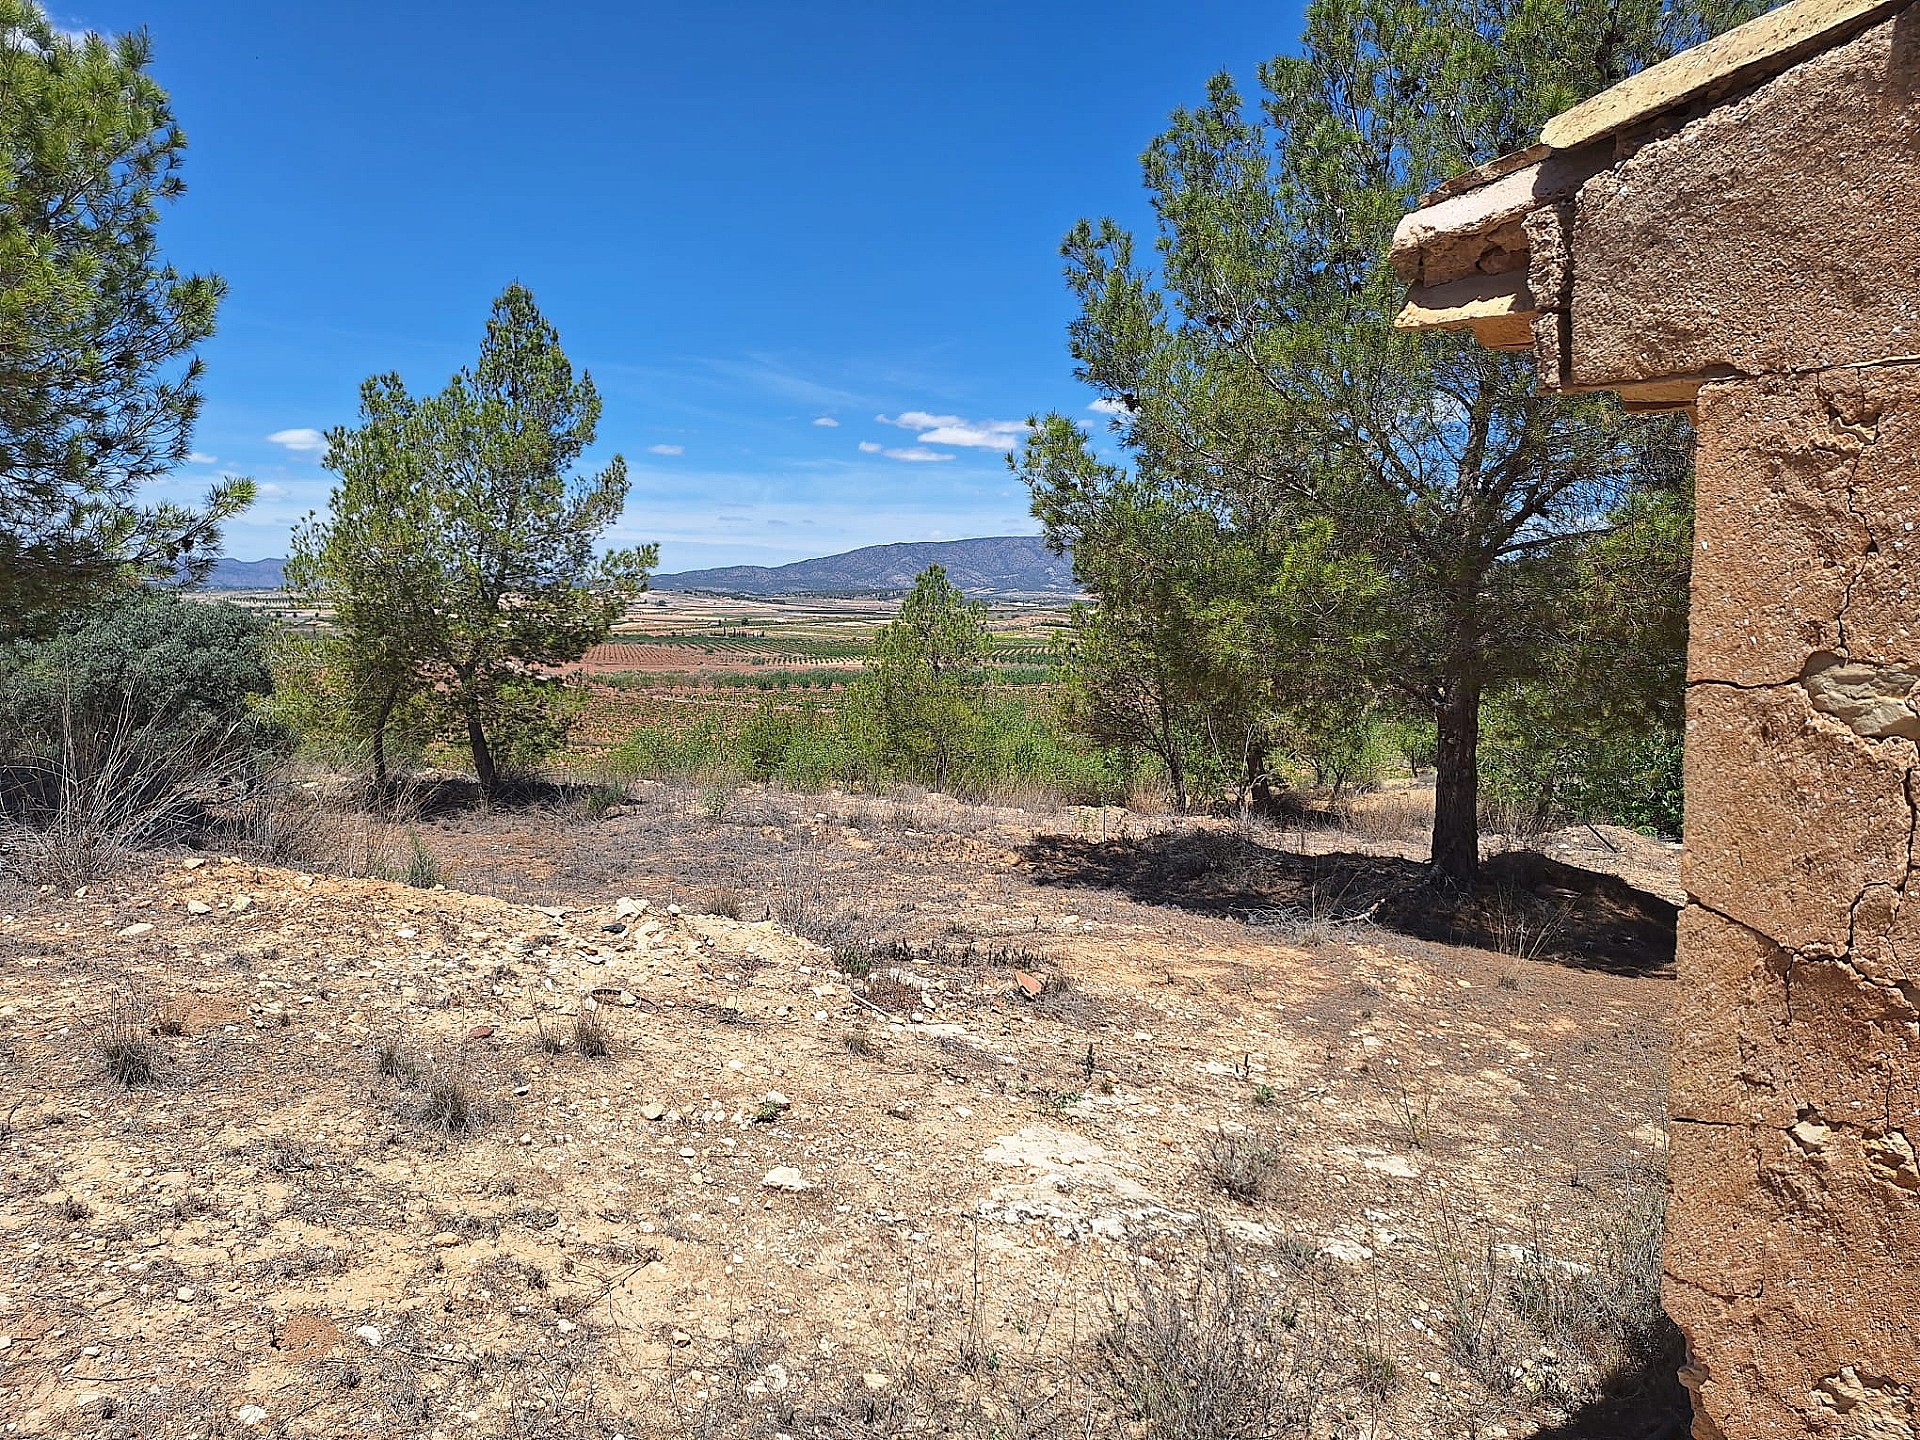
(1330, 556)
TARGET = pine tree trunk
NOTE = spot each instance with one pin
(384, 714)
(1456, 804)
(482, 756)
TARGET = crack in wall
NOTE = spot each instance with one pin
(1864, 435)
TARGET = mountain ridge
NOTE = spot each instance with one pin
(997, 565)
(1011, 566)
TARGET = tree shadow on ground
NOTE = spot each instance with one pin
(1526, 905)
(437, 797)
(1641, 1401)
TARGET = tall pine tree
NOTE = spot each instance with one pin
(1253, 361)
(459, 553)
(99, 388)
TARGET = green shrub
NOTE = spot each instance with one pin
(1539, 760)
(179, 669)
(128, 726)
(314, 700)
(660, 752)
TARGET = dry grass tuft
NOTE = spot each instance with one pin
(1221, 1354)
(591, 1038)
(121, 1038)
(1243, 1166)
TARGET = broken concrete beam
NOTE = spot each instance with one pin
(1742, 57)
(1779, 232)
(1498, 302)
(1479, 230)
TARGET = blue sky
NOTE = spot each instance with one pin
(809, 252)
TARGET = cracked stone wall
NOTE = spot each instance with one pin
(1771, 246)
(1796, 1092)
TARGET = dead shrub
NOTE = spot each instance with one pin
(392, 1061)
(893, 994)
(121, 1038)
(446, 1103)
(1221, 1353)
(725, 902)
(431, 1097)
(88, 807)
(591, 1038)
(1390, 817)
(1601, 1309)
(1243, 1166)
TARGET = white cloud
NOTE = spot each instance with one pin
(952, 430)
(914, 453)
(302, 440)
(666, 449)
(827, 422)
(918, 420)
(1111, 407)
(196, 458)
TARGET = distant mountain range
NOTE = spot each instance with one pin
(1000, 565)
(245, 575)
(1009, 566)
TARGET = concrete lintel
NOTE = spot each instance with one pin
(1469, 302)
(1743, 56)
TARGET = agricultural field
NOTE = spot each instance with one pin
(679, 657)
(703, 635)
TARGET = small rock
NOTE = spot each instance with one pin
(681, 1337)
(1811, 1134)
(446, 1240)
(192, 864)
(242, 902)
(785, 1177)
(652, 1110)
(250, 1415)
(184, 1294)
(133, 932)
(1032, 984)
(874, 1380)
(370, 1334)
(199, 907)
(480, 1032)
(778, 1101)
(566, 1327)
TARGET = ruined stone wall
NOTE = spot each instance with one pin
(1794, 1235)
(1772, 246)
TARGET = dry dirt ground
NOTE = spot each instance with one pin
(373, 1185)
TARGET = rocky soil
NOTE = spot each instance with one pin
(285, 1153)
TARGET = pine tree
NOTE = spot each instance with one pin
(1254, 361)
(924, 674)
(458, 554)
(99, 389)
